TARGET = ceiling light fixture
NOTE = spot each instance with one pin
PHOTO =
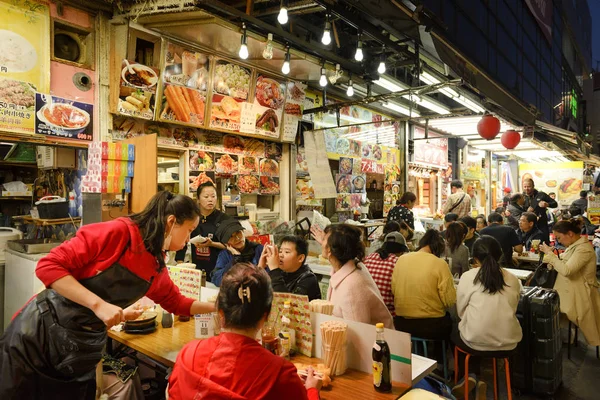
(350, 90)
(243, 53)
(381, 68)
(326, 39)
(323, 80)
(285, 68)
(282, 18)
(268, 51)
(358, 56)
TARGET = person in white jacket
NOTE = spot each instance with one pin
(487, 299)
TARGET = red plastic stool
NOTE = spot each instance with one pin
(468, 356)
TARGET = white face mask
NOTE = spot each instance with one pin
(167, 242)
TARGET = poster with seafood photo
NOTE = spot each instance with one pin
(294, 108)
(24, 62)
(137, 90)
(268, 106)
(185, 84)
(55, 116)
(564, 179)
(231, 87)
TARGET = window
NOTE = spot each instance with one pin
(529, 72)
(506, 44)
(492, 55)
(529, 48)
(507, 73)
(529, 94)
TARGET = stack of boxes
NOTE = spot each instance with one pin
(110, 168)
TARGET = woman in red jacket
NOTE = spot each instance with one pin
(51, 348)
(233, 365)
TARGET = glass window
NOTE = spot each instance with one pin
(529, 48)
(466, 32)
(492, 55)
(545, 92)
(506, 72)
(506, 44)
(529, 24)
(547, 112)
(492, 28)
(504, 13)
(545, 71)
(529, 72)
(450, 17)
(529, 94)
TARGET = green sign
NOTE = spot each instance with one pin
(573, 103)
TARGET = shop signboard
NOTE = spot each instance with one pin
(293, 111)
(184, 86)
(137, 92)
(593, 210)
(231, 88)
(564, 179)
(24, 62)
(432, 151)
(55, 116)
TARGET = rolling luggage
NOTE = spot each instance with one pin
(536, 366)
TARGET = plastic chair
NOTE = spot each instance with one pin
(576, 341)
(494, 355)
(423, 342)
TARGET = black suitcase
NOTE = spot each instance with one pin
(536, 366)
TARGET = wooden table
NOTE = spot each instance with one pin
(163, 345)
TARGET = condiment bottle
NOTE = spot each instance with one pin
(382, 373)
(285, 340)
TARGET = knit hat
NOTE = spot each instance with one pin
(507, 190)
(226, 229)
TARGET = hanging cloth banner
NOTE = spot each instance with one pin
(318, 165)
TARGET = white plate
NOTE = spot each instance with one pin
(16, 53)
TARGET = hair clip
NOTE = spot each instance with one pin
(242, 293)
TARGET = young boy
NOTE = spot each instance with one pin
(289, 273)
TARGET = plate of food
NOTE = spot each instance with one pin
(343, 184)
(19, 93)
(139, 76)
(367, 150)
(358, 184)
(345, 165)
(571, 186)
(355, 148)
(343, 146)
(226, 164)
(273, 150)
(342, 202)
(227, 110)
(395, 189)
(233, 144)
(269, 93)
(63, 118)
(269, 185)
(267, 121)
(232, 80)
(248, 184)
(248, 165)
(255, 147)
(377, 154)
(201, 161)
(17, 54)
(269, 167)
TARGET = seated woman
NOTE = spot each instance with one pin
(231, 233)
(423, 290)
(288, 272)
(352, 291)
(576, 282)
(485, 288)
(390, 226)
(381, 266)
(456, 253)
(233, 365)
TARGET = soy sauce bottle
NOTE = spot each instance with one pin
(382, 374)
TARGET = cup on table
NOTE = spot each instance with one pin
(269, 339)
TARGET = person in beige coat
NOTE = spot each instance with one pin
(576, 282)
(352, 291)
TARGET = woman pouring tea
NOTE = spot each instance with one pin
(52, 346)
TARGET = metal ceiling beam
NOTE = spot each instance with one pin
(366, 27)
(313, 48)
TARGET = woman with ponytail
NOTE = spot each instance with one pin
(233, 365)
(52, 346)
(487, 299)
(576, 282)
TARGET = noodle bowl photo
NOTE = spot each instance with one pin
(64, 118)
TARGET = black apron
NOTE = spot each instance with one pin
(52, 347)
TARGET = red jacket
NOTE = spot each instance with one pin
(234, 367)
(98, 246)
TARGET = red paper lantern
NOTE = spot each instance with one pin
(488, 127)
(510, 139)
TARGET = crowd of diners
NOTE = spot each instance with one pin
(442, 289)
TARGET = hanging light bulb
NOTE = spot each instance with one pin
(326, 39)
(283, 14)
(285, 68)
(358, 56)
(323, 80)
(350, 90)
(381, 68)
(268, 51)
(243, 53)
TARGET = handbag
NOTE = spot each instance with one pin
(543, 277)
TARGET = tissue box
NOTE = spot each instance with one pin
(6, 193)
(117, 168)
(116, 184)
(118, 151)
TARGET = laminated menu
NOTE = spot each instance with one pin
(188, 280)
(185, 84)
(293, 110)
(137, 90)
(300, 319)
(231, 87)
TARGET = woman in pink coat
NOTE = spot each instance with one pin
(352, 291)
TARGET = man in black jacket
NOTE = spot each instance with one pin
(538, 203)
(287, 268)
(528, 231)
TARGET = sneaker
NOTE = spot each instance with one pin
(458, 391)
(481, 393)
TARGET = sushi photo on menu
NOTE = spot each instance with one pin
(137, 92)
(55, 116)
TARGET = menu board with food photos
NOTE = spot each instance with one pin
(231, 87)
(185, 85)
(563, 179)
(64, 118)
(137, 90)
(269, 98)
(293, 111)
